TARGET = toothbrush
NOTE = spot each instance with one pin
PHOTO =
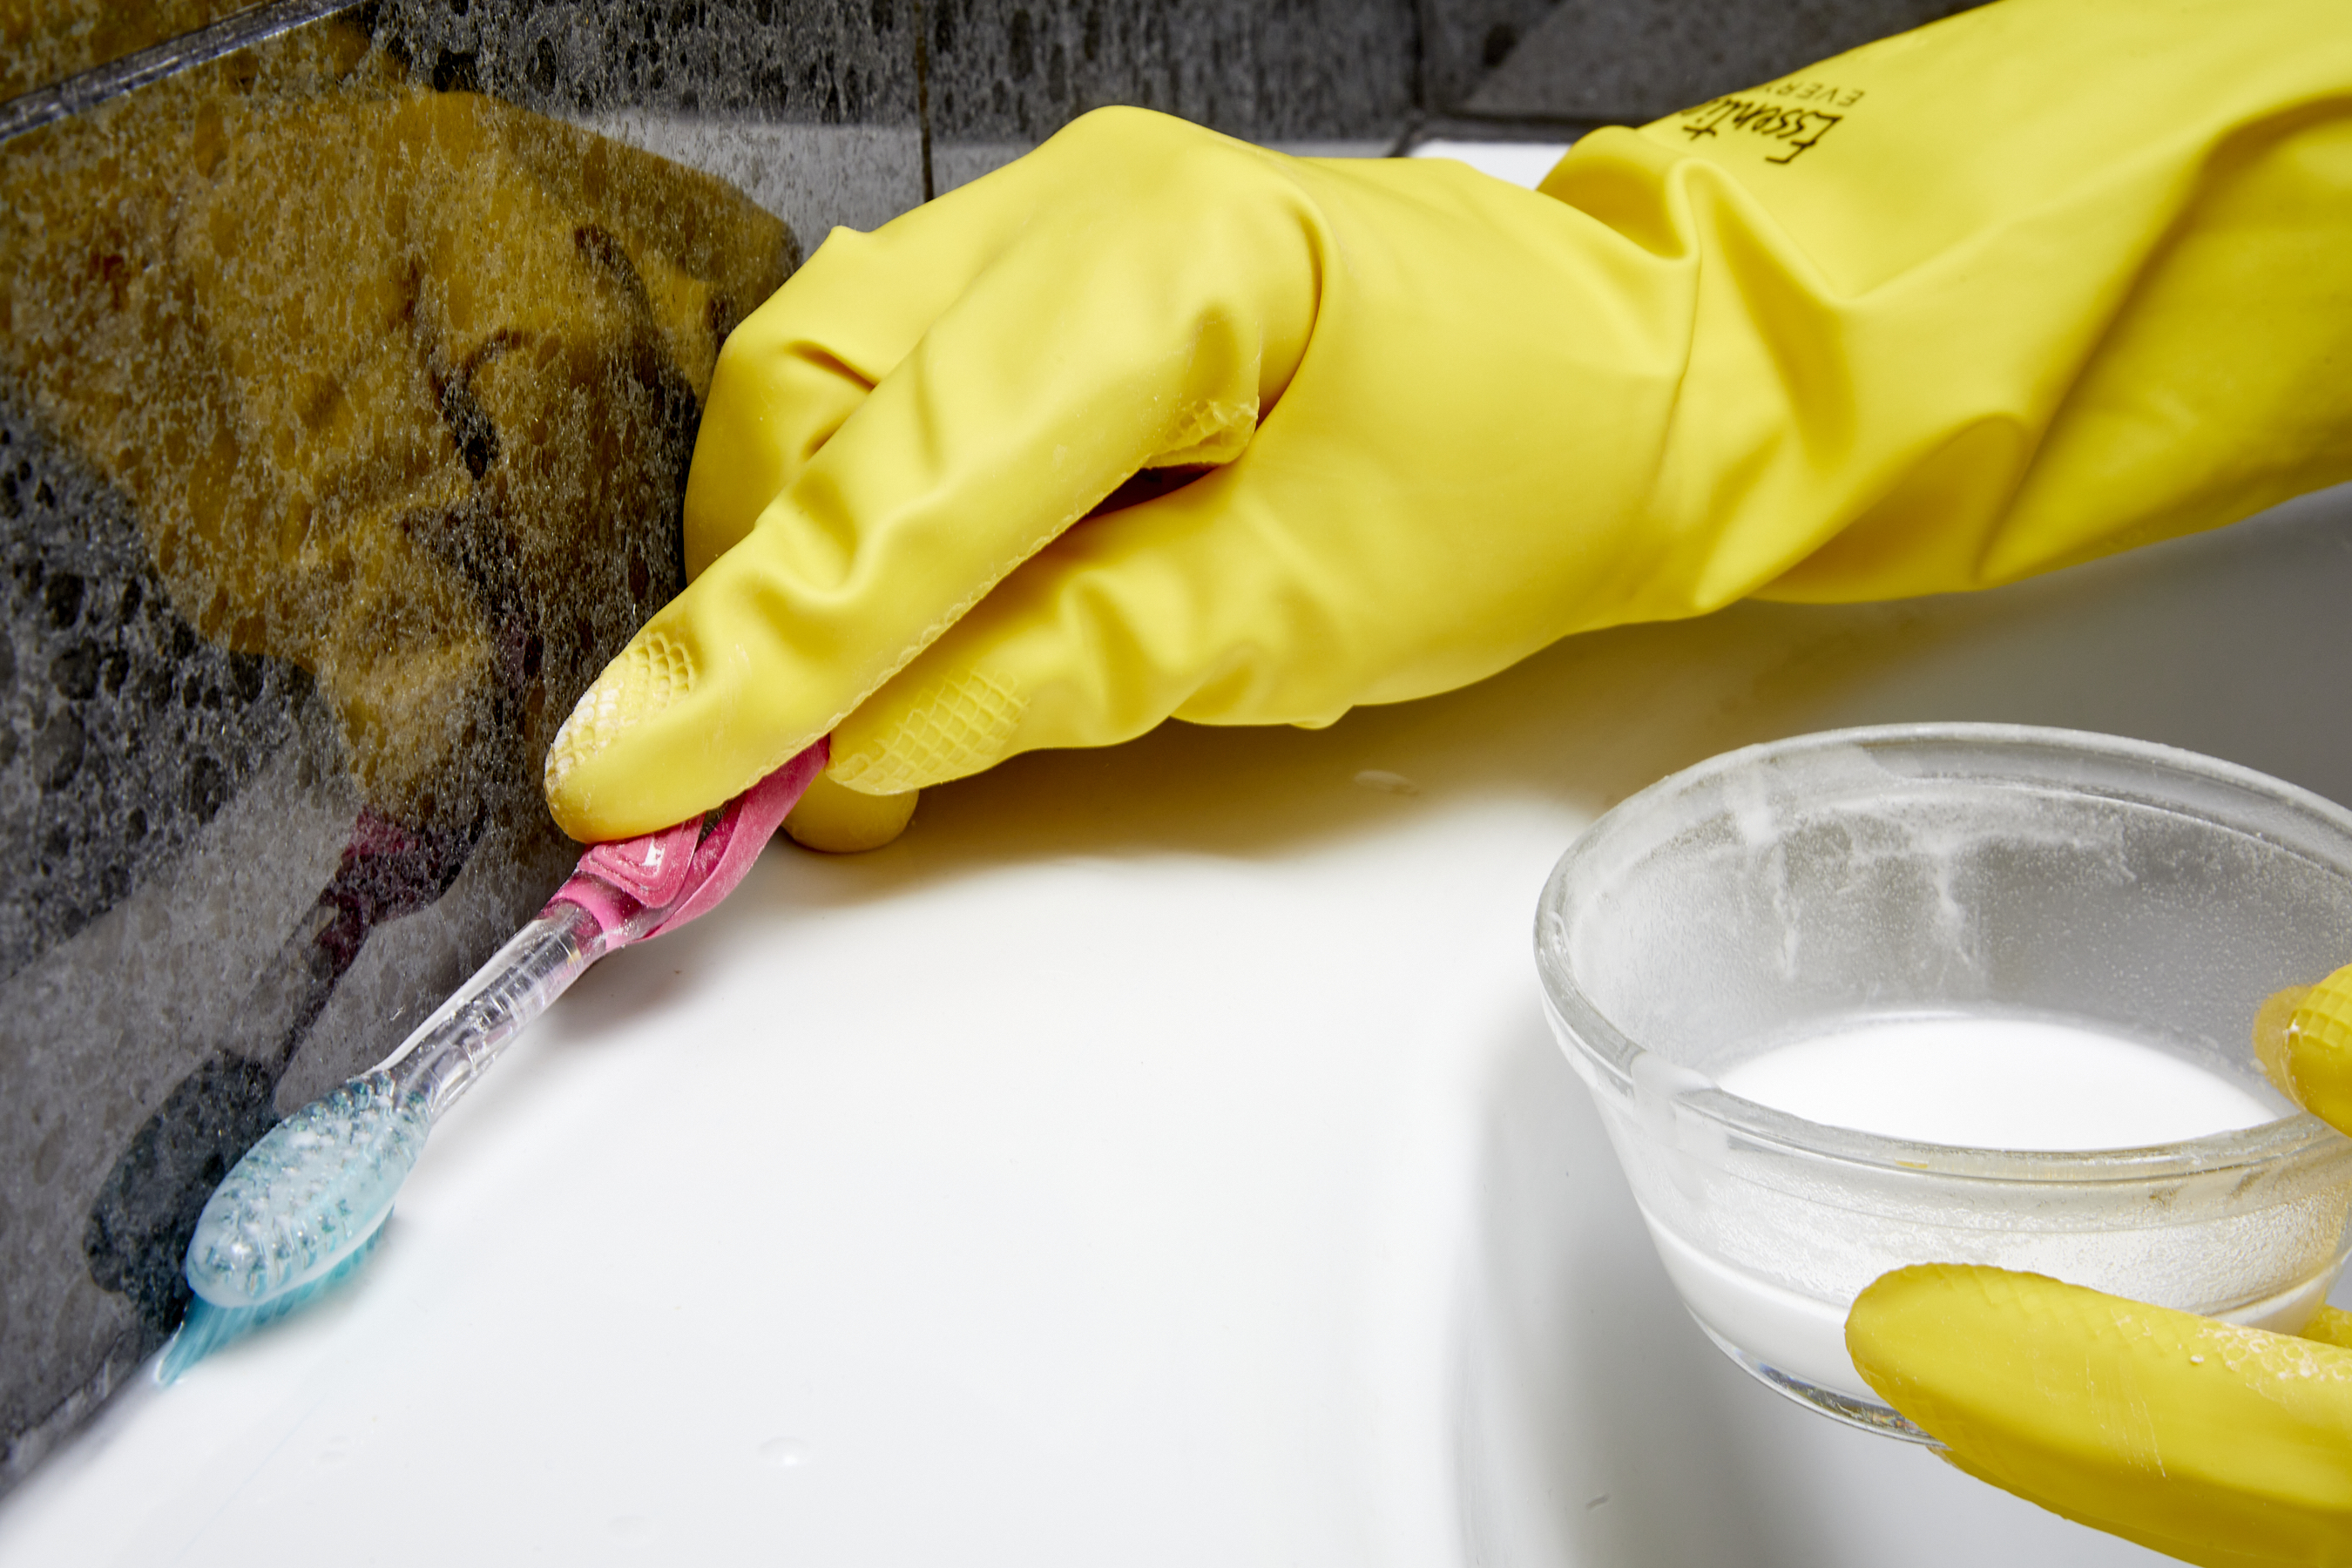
(307, 1203)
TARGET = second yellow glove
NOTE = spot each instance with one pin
(2223, 1446)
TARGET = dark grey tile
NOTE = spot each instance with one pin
(809, 106)
(815, 177)
(827, 62)
(1463, 40)
(122, 730)
(1631, 61)
(1010, 73)
(99, 1031)
(957, 164)
(236, 876)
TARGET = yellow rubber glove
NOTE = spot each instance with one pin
(2033, 284)
(2218, 1444)
(2226, 1447)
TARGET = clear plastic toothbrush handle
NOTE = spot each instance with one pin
(469, 1031)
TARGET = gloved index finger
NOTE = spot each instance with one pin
(1141, 318)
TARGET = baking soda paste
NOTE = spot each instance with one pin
(1995, 1083)
(1981, 1082)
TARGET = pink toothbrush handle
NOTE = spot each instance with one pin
(623, 892)
(640, 887)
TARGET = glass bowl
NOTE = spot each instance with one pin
(1827, 880)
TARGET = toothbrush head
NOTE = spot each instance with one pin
(206, 1328)
(305, 1201)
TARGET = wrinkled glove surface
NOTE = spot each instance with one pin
(2027, 285)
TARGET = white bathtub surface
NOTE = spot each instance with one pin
(1156, 1157)
(1520, 162)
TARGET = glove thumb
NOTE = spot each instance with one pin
(2303, 1036)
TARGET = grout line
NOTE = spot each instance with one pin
(923, 93)
(44, 105)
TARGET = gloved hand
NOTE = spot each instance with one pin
(2222, 1446)
(2027, 285)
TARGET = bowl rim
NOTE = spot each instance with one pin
(1642, 1074)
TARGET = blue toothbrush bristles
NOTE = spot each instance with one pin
(206, 1328)
(298, 1213)
(307, 1201)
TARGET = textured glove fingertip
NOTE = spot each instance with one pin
(651, 674)
(2318, 1050)
(961, 724)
